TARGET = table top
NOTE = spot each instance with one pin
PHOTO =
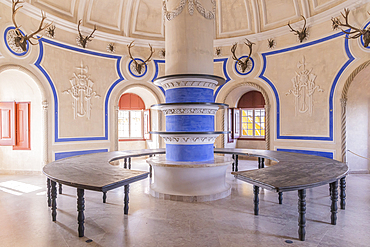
(95, 171)
(293, 171)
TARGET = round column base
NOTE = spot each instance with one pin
(189, 181)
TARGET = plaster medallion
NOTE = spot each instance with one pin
(10, 42)
(303, 89)
(82, 92)
(248, 70)
(169, 15)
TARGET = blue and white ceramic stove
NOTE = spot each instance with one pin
(189, 171)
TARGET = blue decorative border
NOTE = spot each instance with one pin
(156, 66)
(55, 95)
(361, 37)
(329, 155)
(331, 98)
(129, 68)
(246, 73)
(7, 45)
(63, 155)
(224, 68)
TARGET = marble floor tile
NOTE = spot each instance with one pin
(25, 219)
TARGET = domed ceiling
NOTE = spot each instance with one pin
(143, 19)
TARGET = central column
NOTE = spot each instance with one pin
(189, 170)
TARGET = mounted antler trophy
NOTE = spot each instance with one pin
(302, 34)
(138, 64)
(243, 64)
(355, 32)
(20, 39)
(83, 40)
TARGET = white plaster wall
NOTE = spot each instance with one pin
(358, 131)
(131, 145)
(18, 86)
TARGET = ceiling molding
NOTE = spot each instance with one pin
(136, 32)
(267, 25)
(119, 19)
(236, 32)
(69, 13)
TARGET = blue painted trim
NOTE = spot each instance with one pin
(129, 68)
(156, 66)
(329, 155)
(361, 37)
(55, 95)
(7, 45)
(224, 68)
(331, 98)
(246, 73)
(63, 155)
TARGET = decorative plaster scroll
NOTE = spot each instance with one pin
(176, 84)
(81, 92)
(210, 15)
(303, 89)
(189, 139)
(181, 110)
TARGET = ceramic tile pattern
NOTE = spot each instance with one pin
(25, 219)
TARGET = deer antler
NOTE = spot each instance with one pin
(20, 39)
(241, 63)
(302, 34)
(83, 40)
(139, 65)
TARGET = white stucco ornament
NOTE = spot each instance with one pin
(303, 89)
(191, 4)
(82, 93)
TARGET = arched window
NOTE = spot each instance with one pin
(133, 119)
(253, 119)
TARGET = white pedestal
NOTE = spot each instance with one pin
(189, 181)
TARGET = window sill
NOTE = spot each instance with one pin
(251, 139)
(131, 140)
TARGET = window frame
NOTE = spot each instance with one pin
(254, 138)
(141, 138)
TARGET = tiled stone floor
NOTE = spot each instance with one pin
(25, 219)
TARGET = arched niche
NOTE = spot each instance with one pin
(18, 85)
(150, 96)
(232, 98)
(355, 120)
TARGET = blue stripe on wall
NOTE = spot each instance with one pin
(331, 97)
(63, 155)
(329, 155)
(55, 95)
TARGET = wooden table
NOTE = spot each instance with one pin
(92, 172)
(294, 172)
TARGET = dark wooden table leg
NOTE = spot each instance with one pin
(343, 193)
(80, 209)
(233, 164)
(60, 189)
(262, 162)
(259, 162)
(302, 214)
(126, 200)
(48, 191)
(256, 200)
(280, 197)
(236, 162)
(125, 163)
(334, 199)
(54, 200)
(150, 170)
(104, 197)
(129, 163)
